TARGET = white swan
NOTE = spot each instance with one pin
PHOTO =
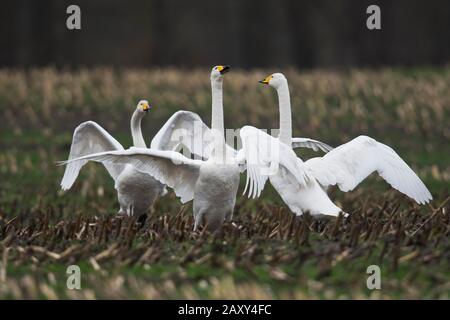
(136, 191)
(346, 166)
(213, 183)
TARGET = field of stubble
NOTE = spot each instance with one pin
(271, 253)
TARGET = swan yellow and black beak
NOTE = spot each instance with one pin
(146, 107)
(266, 80)
(223, 69)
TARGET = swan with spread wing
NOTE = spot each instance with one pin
(345, 166)
(212, 184)
(261, 154)
(136, 191)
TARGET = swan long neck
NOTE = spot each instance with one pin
(217, 122)
(284, 102)
(217, 106)
(136, 133)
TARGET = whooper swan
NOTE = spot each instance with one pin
(211, 183)
(345, 166)
(136, 191)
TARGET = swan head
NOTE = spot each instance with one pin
(143, 106)
(217, 72)
(275, 80)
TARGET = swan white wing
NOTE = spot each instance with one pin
(264, 155)
(186, 128)
(350, 163)
(168, 167)
(310, 143)
(89, 137)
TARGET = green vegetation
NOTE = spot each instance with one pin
(267, 253)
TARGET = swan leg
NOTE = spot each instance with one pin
(142, 219)
(130, 210)
(198, 219)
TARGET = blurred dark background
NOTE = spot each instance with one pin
(252, 33)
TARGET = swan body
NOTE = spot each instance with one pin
(215, 191)
(345, 166)
(311, 198)
(136, 191)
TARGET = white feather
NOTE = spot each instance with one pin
(89, 137)
(168, 167)
(350, 163)
(195, 135)
(310, 143)
(264, 156)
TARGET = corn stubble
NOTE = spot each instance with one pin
(300, 257)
